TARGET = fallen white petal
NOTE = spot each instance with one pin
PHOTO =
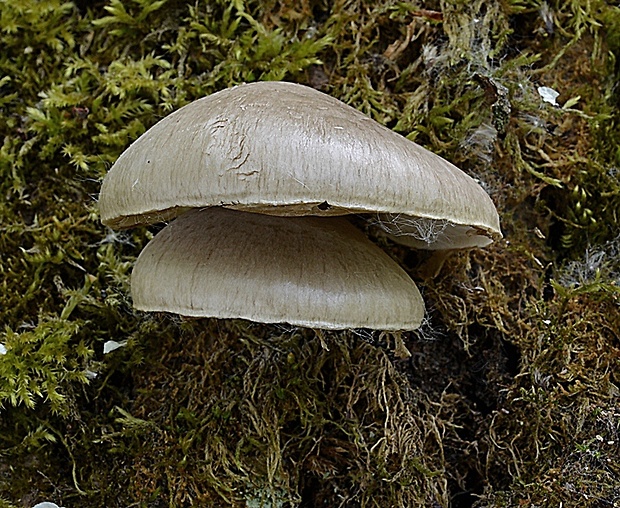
(111, 345)
(548, 94)
(2, 349)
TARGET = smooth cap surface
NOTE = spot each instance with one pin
(286, 149)
(315, 272)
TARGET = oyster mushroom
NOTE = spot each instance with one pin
(307, 271)
(286, 149)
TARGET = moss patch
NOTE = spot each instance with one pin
(510, 396)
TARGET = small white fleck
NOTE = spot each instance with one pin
(134, 183)
(548, 95)
(91, 374)
(546, 321)
(339, 128)
(112, 345)
(2, 349)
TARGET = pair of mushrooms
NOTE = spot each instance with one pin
(257, 175)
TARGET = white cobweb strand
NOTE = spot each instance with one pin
(427, 231)
(429, 234)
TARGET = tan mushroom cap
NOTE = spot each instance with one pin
(286, 149)
(307, 271)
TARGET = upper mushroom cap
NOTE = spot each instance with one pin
(286, 149)
(319, 272)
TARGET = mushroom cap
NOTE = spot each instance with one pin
(318, 272)
(286, 149)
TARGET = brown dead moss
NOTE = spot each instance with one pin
(274, 416)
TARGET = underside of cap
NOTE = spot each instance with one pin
(286, 149)
(305, 271)
(430, 234)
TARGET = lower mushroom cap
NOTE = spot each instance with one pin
(306, 271)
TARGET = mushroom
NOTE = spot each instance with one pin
(307, 271)
(286, 149)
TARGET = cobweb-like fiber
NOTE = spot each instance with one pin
(422, 229)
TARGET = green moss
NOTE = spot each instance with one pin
(510, 395)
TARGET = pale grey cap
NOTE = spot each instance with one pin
(287, 149)
(318, 272)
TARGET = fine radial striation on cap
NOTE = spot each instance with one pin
(318, 272)
(286, 149)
